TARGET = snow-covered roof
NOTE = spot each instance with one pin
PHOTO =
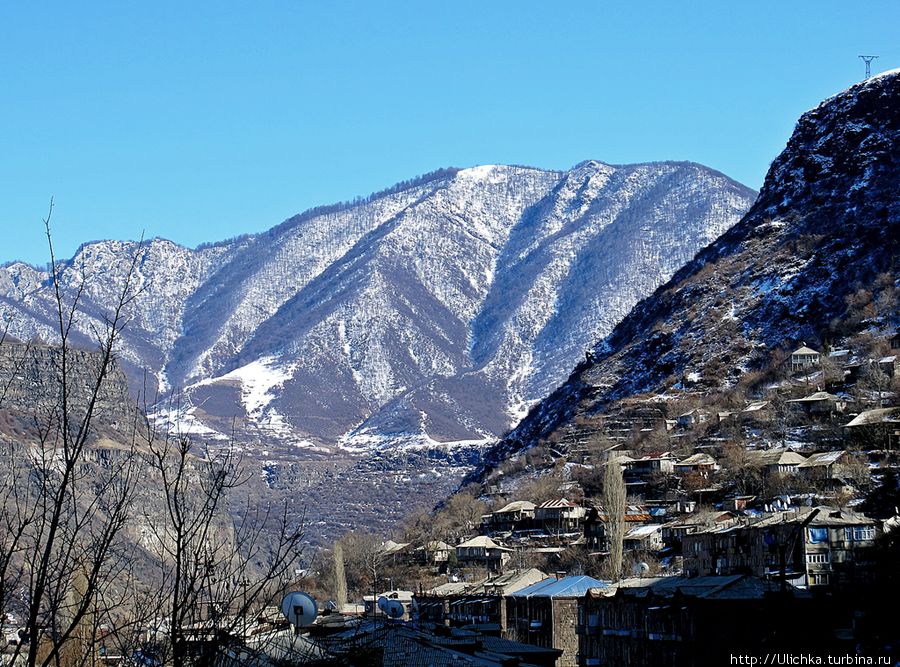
(517, 506)
(815, 398)
(391, 547)
(756, 406)
(877, 416)
(640, 532)
(698, 459)
(655, 456)
(568, 587)
(482, 541)
(822, 459)
(771, 457)
(804, 351)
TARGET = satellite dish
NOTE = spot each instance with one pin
(640, 569)
(299, 609)
(394, 609)
(383, 603)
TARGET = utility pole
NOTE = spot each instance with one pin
(868, 60)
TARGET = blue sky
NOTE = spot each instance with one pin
(200, 121)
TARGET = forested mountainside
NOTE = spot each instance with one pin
(438, 310)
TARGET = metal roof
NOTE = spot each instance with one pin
(566, 587)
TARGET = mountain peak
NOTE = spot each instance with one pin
(438, 309)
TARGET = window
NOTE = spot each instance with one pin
(863, 533)
(818, 535)
(818, 558)
(821, 579)
(859, 533)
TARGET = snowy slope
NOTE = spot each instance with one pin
(438, 310)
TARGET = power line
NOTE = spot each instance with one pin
(868, 60)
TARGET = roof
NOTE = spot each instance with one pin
(391, 547)
(815, 398)
(698, 459)
(559, 503)
(517, 506)
(756, 406)
(510, 582)
(877, 416)
(450, 588)
(480, 541)
(566, 587)
(640, 532)
(825, 516)
(714, 587)
(822, 459)
(436, 545)
(804, 350)
(888, 360)
(700, 518)
(778, 456)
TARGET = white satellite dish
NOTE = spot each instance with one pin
(640, 569)
(299, 609)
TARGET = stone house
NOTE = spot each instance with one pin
(479, 604)
(827, 465)
(889, 365)
(596, 519)
(546, 614)
(482, 551)
(784, 461)
(814, 547)
(560, 516)
(644, 538)
(819, 403)
(804, 358)
(691, 418)
(681, 621)
(674, 531)
(701, 463)
(517, 514)
(653, 463)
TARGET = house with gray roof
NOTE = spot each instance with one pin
(546, 614)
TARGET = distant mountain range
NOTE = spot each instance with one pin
(825, 229)
(439, 310)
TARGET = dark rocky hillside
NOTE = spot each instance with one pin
(823, 234)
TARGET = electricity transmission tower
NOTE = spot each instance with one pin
(868, 60)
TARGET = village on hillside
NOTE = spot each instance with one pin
(774, 499)
(769, 502)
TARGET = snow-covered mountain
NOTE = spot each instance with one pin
(438, 310)
(824, 230)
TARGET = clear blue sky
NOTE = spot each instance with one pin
(200, 121)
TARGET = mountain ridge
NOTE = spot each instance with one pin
(384, 317)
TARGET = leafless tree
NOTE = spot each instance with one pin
(217, 563)
(340, 577)
(70, 562)
(63, 555)
(614, 502)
